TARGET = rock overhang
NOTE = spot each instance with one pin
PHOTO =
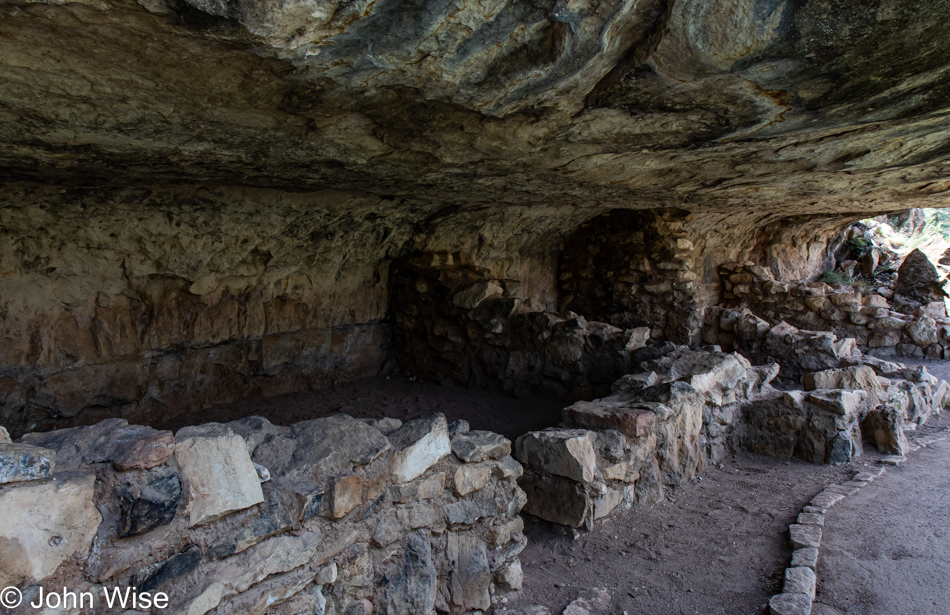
(652, 103)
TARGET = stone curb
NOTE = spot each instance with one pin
(798, 592)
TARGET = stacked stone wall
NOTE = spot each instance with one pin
(456, 323)
(753, 301)
(634, 269)
(333, 516)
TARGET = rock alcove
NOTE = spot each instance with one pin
(622, 209)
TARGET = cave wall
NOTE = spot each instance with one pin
(146, 302)
(151, 302)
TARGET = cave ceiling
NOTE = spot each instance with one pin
(819, 105)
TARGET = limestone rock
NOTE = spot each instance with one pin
(44, 524)
(475, 446)
(790, 604)
(335, 443)
(469, 575)
(923, 331)
(594, 601)
(805, 536)
(884, 427)
(23, 462)
(917, 279)
(632, 422)
(564, 452)
(419, 444)
(473, 296)
(345, 495)
(556, 499)
(4, 436)
(806, 556)
(800, 580)
(412, 590)
(219, 476)
(471, 477)
(148, 501)
(279, 515)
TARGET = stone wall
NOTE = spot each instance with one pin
(454, 322)
(633, 269)
(659, 428)
(753, 301)
(332, 516)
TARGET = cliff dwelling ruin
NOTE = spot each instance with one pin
(306, 307)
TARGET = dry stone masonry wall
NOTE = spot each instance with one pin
(753, 300)
(332, 516)
(454, 322)
(634, 269)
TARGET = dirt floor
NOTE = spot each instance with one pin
(717, 545)
(886, 549)
(395, 397)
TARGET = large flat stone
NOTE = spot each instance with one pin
(476, 446)
(219, 476)
(419, 445)
(44, 523)
(632, 422)
(336, 443)
(24, 462)
(564, 452)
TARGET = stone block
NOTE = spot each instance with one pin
(790, 604)
(811, 519)
(632, 422)
(826, 499)
(25, 462)
(4, 436)
(804, 536)
(556, 499)
(839, 402)
(806, 556)
(564, 452)
(333, 444)
(44, 524)
(800, 580)
(476, 446)
(412, 590)
(147, 502)
(345, 495)
(469, 478)
(279, 515)
(419, 445)
(469, 577)
(428, 488)
(473, 296)
(219, 476)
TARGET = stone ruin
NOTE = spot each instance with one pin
(242, 517)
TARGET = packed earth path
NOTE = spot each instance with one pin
(886, 549)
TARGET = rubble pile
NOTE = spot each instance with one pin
(332, 515)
